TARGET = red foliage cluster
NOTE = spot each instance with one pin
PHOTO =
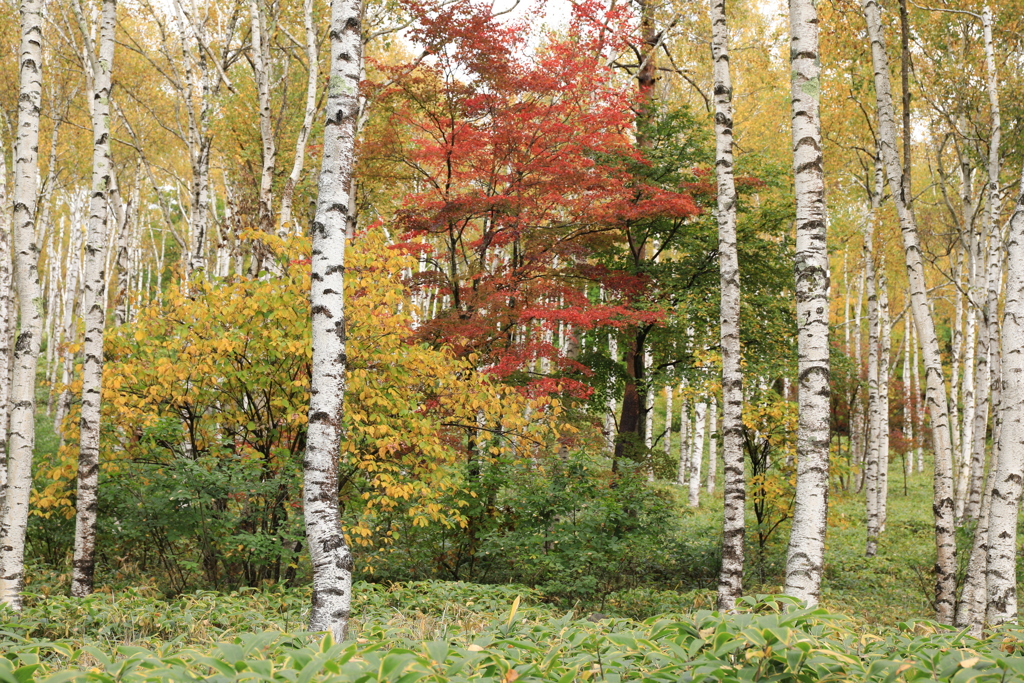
(521, 157)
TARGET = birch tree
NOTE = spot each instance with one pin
(1006, 490)
(313, 75)
(14, 515)
(942, 504)
(872, 452)
(730, 580)
(5, 320)
(329, 552)
(94, 295)
(807, 539)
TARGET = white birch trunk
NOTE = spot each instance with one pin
(1001, 569)
(871, 455)
(69, 299)
(329, 552)
(611, 409)
(994, 276)
(648, 401)
(712, 446)
(915, 374)
(261, 67)
(14, 515)
(805, 557)
(884, 352)
(5, 320)
(943, 506)
(908, 422)
(684, 438)
(973, 312)
(668, 419)
(956, 356)
(697, 453)
(858, 443)
(730, 580)
(94, 304)
(313, 76)
(970, 610)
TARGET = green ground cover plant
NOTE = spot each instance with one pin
(458, 632)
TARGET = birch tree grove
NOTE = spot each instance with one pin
(329, 552)
(943, 506)
(14, 515)
(730, 582)
(805, 557)
(456, 298)
(94, 294)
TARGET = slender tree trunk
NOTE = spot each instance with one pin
(684, 438)
(94, 300)
(995, 253)
(908, 419)
(288, 193)
(5, 320)
(956, 356)
(974, 247)
(970, 610)
(858, 409)
(730, 580)
(700, 424)
(648, 401)
(872, 453)
(330, 555)
(609, 420)
(261, 67)
(1006, 489)
(713, 446)
(72, 282)
(631, 416)
(805, 557)
(668, 419)
(14, 516)
(127, 228)
(884, 353)
(943, 506)
(915, 404)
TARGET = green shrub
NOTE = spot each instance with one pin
(771, 640)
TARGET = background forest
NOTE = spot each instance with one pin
(557, 396)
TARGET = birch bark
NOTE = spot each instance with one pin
(908, 420)
(14, 515)
(871, 454)
(807, 538)
(668, 419)
(973, 314)
(712, 446)
(261, 67)
(884, 352)
(1001, 569)
(5, 320)
(313, 76)
(943, 506)
(329, 552)
(700, 424)
(94, 302)
(684, 438)
(994, 276)
(730, 580)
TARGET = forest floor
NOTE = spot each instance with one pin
(875, 622)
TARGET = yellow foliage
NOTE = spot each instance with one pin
(221, 370)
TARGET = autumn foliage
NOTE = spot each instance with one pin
(525, 173)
